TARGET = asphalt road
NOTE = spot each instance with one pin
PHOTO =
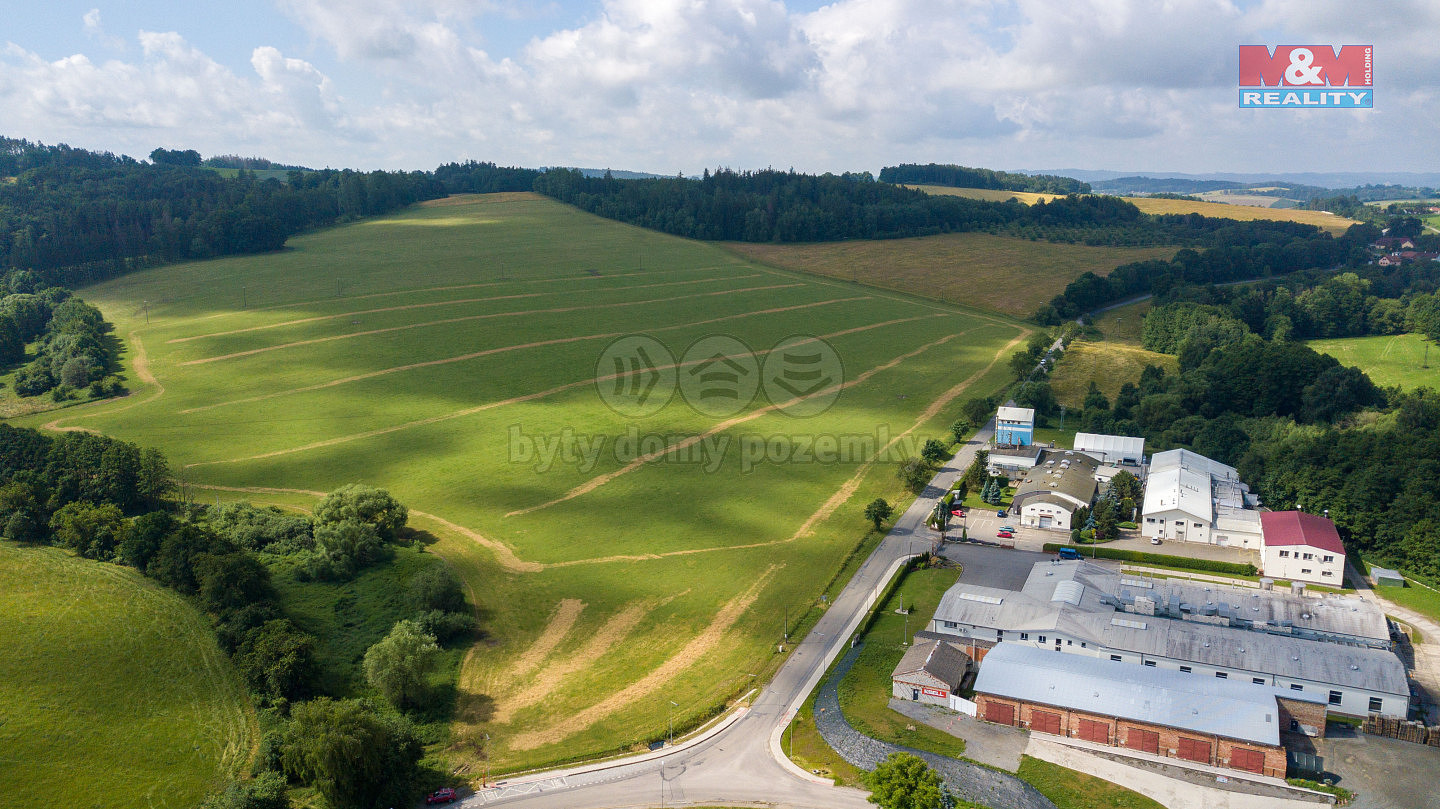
(740, 763)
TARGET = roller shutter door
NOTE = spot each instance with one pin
(1092, 731)
(1248, 760)
(1146, 741)
(1000, 713)
(1194, 750)
(1045, 722)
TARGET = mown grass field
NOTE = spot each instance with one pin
(1004, 274)
(113, 692)
(1388, 360)
(430, 351)
(1108, 364)
(1221, 210)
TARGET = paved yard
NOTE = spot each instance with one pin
(994, 745)
(1384, 773)
(993, 567)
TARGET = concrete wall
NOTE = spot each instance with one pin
(1221, 750)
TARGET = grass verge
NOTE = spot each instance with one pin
(1069, 789)
(1420, 599)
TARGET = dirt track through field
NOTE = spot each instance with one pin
(466, 318)
(567, 612)
(695, 650)
(470, 411)
(453, 287)
(600, 480)
(141, 363)
(459, 301)
(616, 629)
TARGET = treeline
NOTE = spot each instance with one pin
(74, 347)
(484, 178)
(109, 500)
(76, 217)
(778, 206)
(1237, 251)
(963, 177)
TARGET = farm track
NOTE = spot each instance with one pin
(697, 648)
(446, 321)
(600, 480)
(463, 301)
(470, 411)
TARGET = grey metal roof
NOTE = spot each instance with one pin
(1110, 447)
(1060, 472)
(1045, 603)
(939, 659)
(1235, 710)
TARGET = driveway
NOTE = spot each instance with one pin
(1384, 773)
(993, 567)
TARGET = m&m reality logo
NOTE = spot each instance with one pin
(1306, 76)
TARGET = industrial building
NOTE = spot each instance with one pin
(1301, 547)
(1192, 498)
(1334, 647)
(1049, 493)
(1015, 426)
(930, 672)
(1126, 452)
(1224, 723)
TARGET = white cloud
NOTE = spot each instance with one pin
(674, 85)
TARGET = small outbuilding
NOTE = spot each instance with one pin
(1385, 577)
(930, 672)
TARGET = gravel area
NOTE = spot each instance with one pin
(990, 744)
(965, 779)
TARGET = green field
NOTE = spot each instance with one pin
(1001, 273)
(427, 352)
(113, 692)
(1388, 361)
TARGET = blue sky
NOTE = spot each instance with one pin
(678, 85)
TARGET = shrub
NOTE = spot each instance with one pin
(446, 626)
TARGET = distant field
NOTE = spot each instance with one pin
(1393, 360)
(1004, 274)
(113, 693)
(446, 352)
(263, 174)
(1331, 222)
(1123, 324)
(1109, 365)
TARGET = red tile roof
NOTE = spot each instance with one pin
(1299, 528)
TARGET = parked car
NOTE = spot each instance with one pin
(1004, 534)
(1154, 540)
(1068, 553)
(445, 795)
(1009, 528)
(957, 513)
(1002, 513)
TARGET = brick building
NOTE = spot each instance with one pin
(1158, 711)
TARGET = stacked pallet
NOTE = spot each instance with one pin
(1403, 730)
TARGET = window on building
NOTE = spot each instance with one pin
(1284, 554)
(951, 625)
(1082, 644)
(1325, 572)
(1042, 638)
(999, 634)
(1307, 557)
(1375, 705)
(1296, 687)
(1150, 663)
(1304, 570)
(1335, 697)
(1069, 642)
(1024, 636)
(1258, 680)
(1199, 525)
(1220, 675)
(1185, 669)
(1328, 558)
(1116, 658)
(1149, 519)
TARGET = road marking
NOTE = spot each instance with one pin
(520, 790)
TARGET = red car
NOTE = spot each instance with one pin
(445, 795)
(957, 514)
(1004, 534)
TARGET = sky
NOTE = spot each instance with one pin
(671, 86)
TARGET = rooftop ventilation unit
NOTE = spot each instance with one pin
(983, 599)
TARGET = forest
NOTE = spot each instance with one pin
(963, 177)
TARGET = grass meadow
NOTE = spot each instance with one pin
(1110, 362)
(113, 692)
(1220, 210)
(1396, 360)
(1000, 273)
(449, 354)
